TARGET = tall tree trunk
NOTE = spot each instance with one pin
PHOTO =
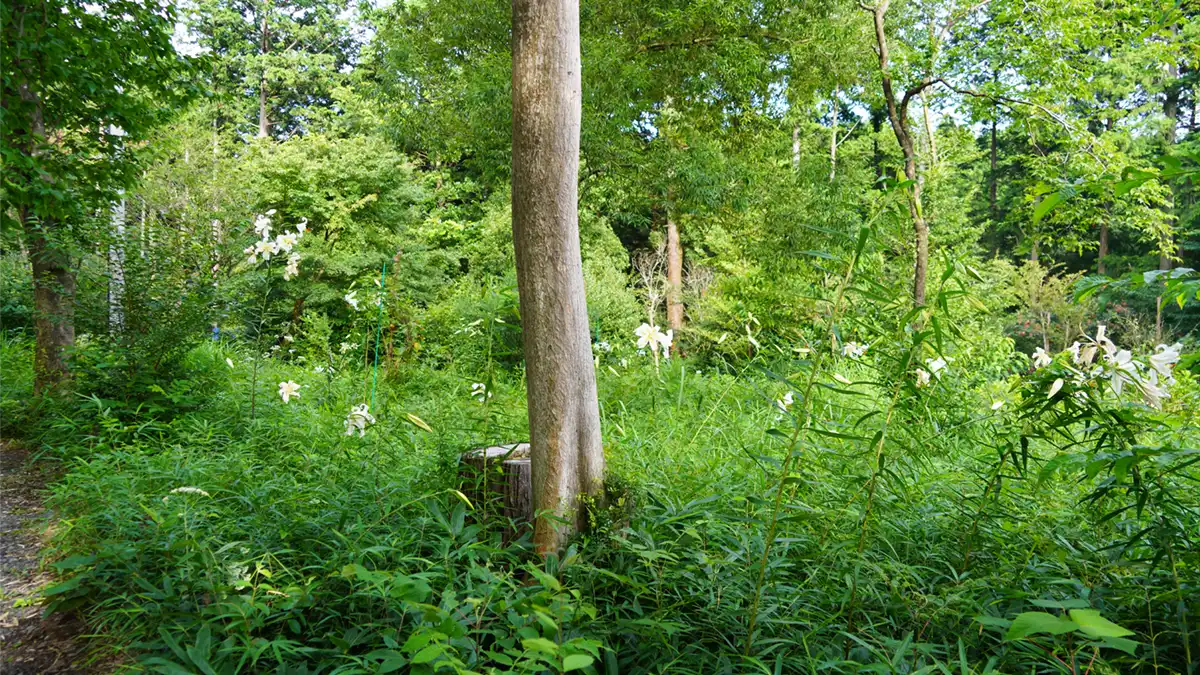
(993, 211)
(1033, 251)
(795, 147)
(1102, 253)
(833, 134)
(564, 418)
(1171, 112)
(116, 269)
(898, 117)
(264, 45)
(53, 305)
(674, 276)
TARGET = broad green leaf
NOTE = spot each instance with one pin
(1032, 623)
(577, 661)
(1096, 626)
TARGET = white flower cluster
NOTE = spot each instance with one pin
(785, 404)
(358, 420)
(935, 366)
(480, 392)
(854, 350)
(266, 247)
(650, 336)
(1150, 377)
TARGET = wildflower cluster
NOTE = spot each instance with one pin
(480, 392)
(358, 420)
(935, 368)
(266, 246)
(1098, 361)
(854, 350)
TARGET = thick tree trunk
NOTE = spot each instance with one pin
(564, 418)
(53, 304)
(674, 276)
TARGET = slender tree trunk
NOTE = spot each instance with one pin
(1033, 251)
(898, 117)
(993, 210)
(53, 304)
(833, 134)
(674, 276)
(795, 147)
(264, 45)
(1171, 112)
(564, 419)
(1102, 253)
(116, 269)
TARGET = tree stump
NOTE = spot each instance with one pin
(499, 482)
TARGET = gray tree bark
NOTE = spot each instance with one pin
(116, 268)
(567, 458)
(674, 275)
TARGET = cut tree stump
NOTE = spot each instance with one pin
(499, 482)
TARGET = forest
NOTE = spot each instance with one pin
(604, 337)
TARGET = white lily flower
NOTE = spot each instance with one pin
(293, 267)
(480, 392)
(785, 404)
(1058, 384)
(266, 248)
(358, 419)
(854, 350)
(936, 366)
(285, 242)
(262, 224)
(922, 378)
(1041, 358)
(647, 336)
(1122, 369)
(996, 405)
(665, 340)
(288, 389)
(229, 361)
(319, 369)
(842, 378)
(351, 299)
(1163, 360)
(252, 252)
(301, 227)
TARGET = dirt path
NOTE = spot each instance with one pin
(29, 644)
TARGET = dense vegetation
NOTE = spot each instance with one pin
(893, 312)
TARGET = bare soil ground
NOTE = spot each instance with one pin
(29, 643)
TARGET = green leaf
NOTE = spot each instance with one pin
(429, 653)
(540, 645)
(577, 661)
(1096, 626)
(1046, 205)
(1031, 623)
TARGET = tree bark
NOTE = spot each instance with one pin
(1102, 253)
(898, 117)
(567, 457)
(264, 45)
(674, 276)
(795, 147)
(992, 208)
(833, 134)
(53, 304)
(116, 269)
